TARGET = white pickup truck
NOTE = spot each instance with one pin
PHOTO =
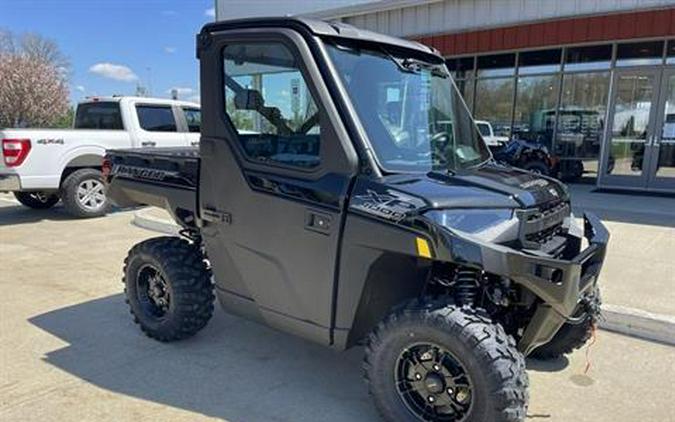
(488, 134)
(43, 166)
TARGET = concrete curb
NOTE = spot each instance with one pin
(638, 323)
(144, 220)
(629, 321)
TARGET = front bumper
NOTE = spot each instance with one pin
(9, 183)
(561, 284)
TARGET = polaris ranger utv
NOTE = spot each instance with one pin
(342, 193)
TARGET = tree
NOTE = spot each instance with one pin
(37, 47)
(65, 121)
(33, 81)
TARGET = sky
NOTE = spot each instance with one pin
(115, 45)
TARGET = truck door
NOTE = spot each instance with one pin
(157, 126)
(275, 173)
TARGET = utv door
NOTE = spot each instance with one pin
(275, 173)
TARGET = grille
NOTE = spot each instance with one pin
(544, 235)
(541, 225)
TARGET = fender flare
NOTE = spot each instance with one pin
(82, 156)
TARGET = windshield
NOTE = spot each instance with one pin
(414, 116)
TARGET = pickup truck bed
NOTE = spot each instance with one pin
(161, 177)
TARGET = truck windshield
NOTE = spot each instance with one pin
(413, 114)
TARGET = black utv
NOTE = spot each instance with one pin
(342, 193)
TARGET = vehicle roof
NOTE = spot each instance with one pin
(146, 100)
(321, 28)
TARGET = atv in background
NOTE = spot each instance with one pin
(526, 155)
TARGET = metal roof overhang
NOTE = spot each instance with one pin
(320, 28)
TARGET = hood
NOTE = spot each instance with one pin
(489, 186)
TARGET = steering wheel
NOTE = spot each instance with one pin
(438, 143)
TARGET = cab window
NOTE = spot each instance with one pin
(193, 117)
(270, 105)
(156, 118)
(484, 129)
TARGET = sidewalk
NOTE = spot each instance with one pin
(640, 268)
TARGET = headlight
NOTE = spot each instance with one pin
(496, 225)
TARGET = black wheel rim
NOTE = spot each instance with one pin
(153, 292)
(433, 384)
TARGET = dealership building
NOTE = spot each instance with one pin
(592, 80)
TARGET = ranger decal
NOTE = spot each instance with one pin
(142, 173)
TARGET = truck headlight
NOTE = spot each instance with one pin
(489, 224)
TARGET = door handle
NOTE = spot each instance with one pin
(194, 143)
(148, 143)
(318, 222)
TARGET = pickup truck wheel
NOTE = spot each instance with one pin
(37, 200)
(168, 288)
(437, 362)
(83, 194)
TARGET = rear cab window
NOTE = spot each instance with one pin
(154, 118)
(99, 115)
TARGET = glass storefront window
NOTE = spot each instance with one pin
(465, 87)
(496, 65)
(536, 103)
(589, 57)
(639, 53)
(560, 98)
(540, 61)
(494, 103)
(665, 165)
(461, 68)
(581, 123)
(670, 53)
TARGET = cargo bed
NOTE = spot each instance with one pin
(161, 177)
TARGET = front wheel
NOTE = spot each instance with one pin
(168, 288)
(37, 200)
(572, 336)
(436, 362)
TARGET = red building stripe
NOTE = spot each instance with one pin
(614, 27)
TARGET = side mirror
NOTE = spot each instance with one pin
(248, 99)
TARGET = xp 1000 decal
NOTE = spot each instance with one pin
(390, 205)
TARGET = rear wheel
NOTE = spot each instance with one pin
(168, 288)
(537, 167)
(432, 362)
(83, 194)
(37, 200)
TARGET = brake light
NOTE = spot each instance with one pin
(15, 151)
(106, 168)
